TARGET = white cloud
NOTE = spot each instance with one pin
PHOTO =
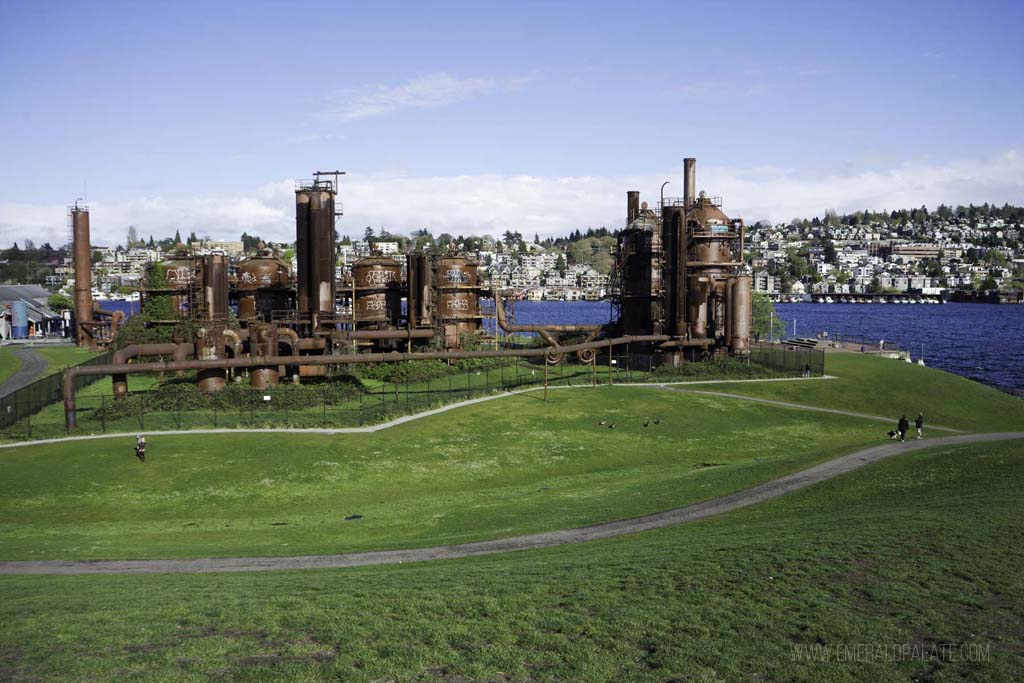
(492, 203)
(433, 90)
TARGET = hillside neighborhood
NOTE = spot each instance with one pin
(949, 252)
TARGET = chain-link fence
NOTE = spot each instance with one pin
(23, 403)
(381, 394)
(782, 358)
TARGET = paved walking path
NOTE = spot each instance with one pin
(716, 506)
(32, 368)
(801, 406)
(391, 423)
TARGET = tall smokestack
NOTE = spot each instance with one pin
(632, 205)
(689, 181)
(82, 251)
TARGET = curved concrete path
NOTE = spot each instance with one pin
(669, 386)
(715, 506)
(32, 368)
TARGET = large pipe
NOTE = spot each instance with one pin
(83, 276)
(499, 309)
(632, 206)
(689, 181)
(741, 314)
(178, 352)
(72, 374)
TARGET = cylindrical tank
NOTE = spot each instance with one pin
(697, 289)
(263, 343)
(210, 346)
(215, 286)
(458, 303)
(180, 271)
(741, 317)
(378, 292)
(83, 275)
(19, 320)
(314, 250)
(262, 284)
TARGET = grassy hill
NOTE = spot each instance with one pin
(882, 386)
(501, 468)
(913, 563)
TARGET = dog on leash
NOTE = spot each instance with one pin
(893, 434)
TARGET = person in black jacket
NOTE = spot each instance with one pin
(903, 426)
(919, 423)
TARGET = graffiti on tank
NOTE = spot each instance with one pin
(458, 304)
(457, 277)
(375, 305)
(248, 279)
(179, 274)
(379, 277)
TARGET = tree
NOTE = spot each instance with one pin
(765, 323)
(133, 236)
(560, 265)
(177, 238)
(368, 233)
(30, 245)
(59, 302)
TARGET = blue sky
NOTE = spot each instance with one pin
(484, 116)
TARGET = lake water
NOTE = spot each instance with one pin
(979, 341)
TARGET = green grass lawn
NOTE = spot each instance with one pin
(861, 578)
(62, 356)
(9, 363)
(882, 386)
(500, 468)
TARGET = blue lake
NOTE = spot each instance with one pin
(979, 341)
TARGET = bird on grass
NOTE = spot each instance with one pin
(603, 422)
(646, 422)
(657, 420)
(611, 426)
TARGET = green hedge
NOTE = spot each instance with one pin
(180, 395)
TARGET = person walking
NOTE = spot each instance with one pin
(919, 423)
(902, 427)
(140, 447)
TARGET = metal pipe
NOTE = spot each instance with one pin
(422, 333)
(121, 357)
(72, 374)
(632, 205)
(689, 181)
(499, 310)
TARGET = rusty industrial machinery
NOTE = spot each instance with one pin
(682, 273)
(683, 291)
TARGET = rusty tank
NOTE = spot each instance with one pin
(458, 301)
(181, 273)
(210, 346)
(378, 292)
(263, 282)
(263, 342)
